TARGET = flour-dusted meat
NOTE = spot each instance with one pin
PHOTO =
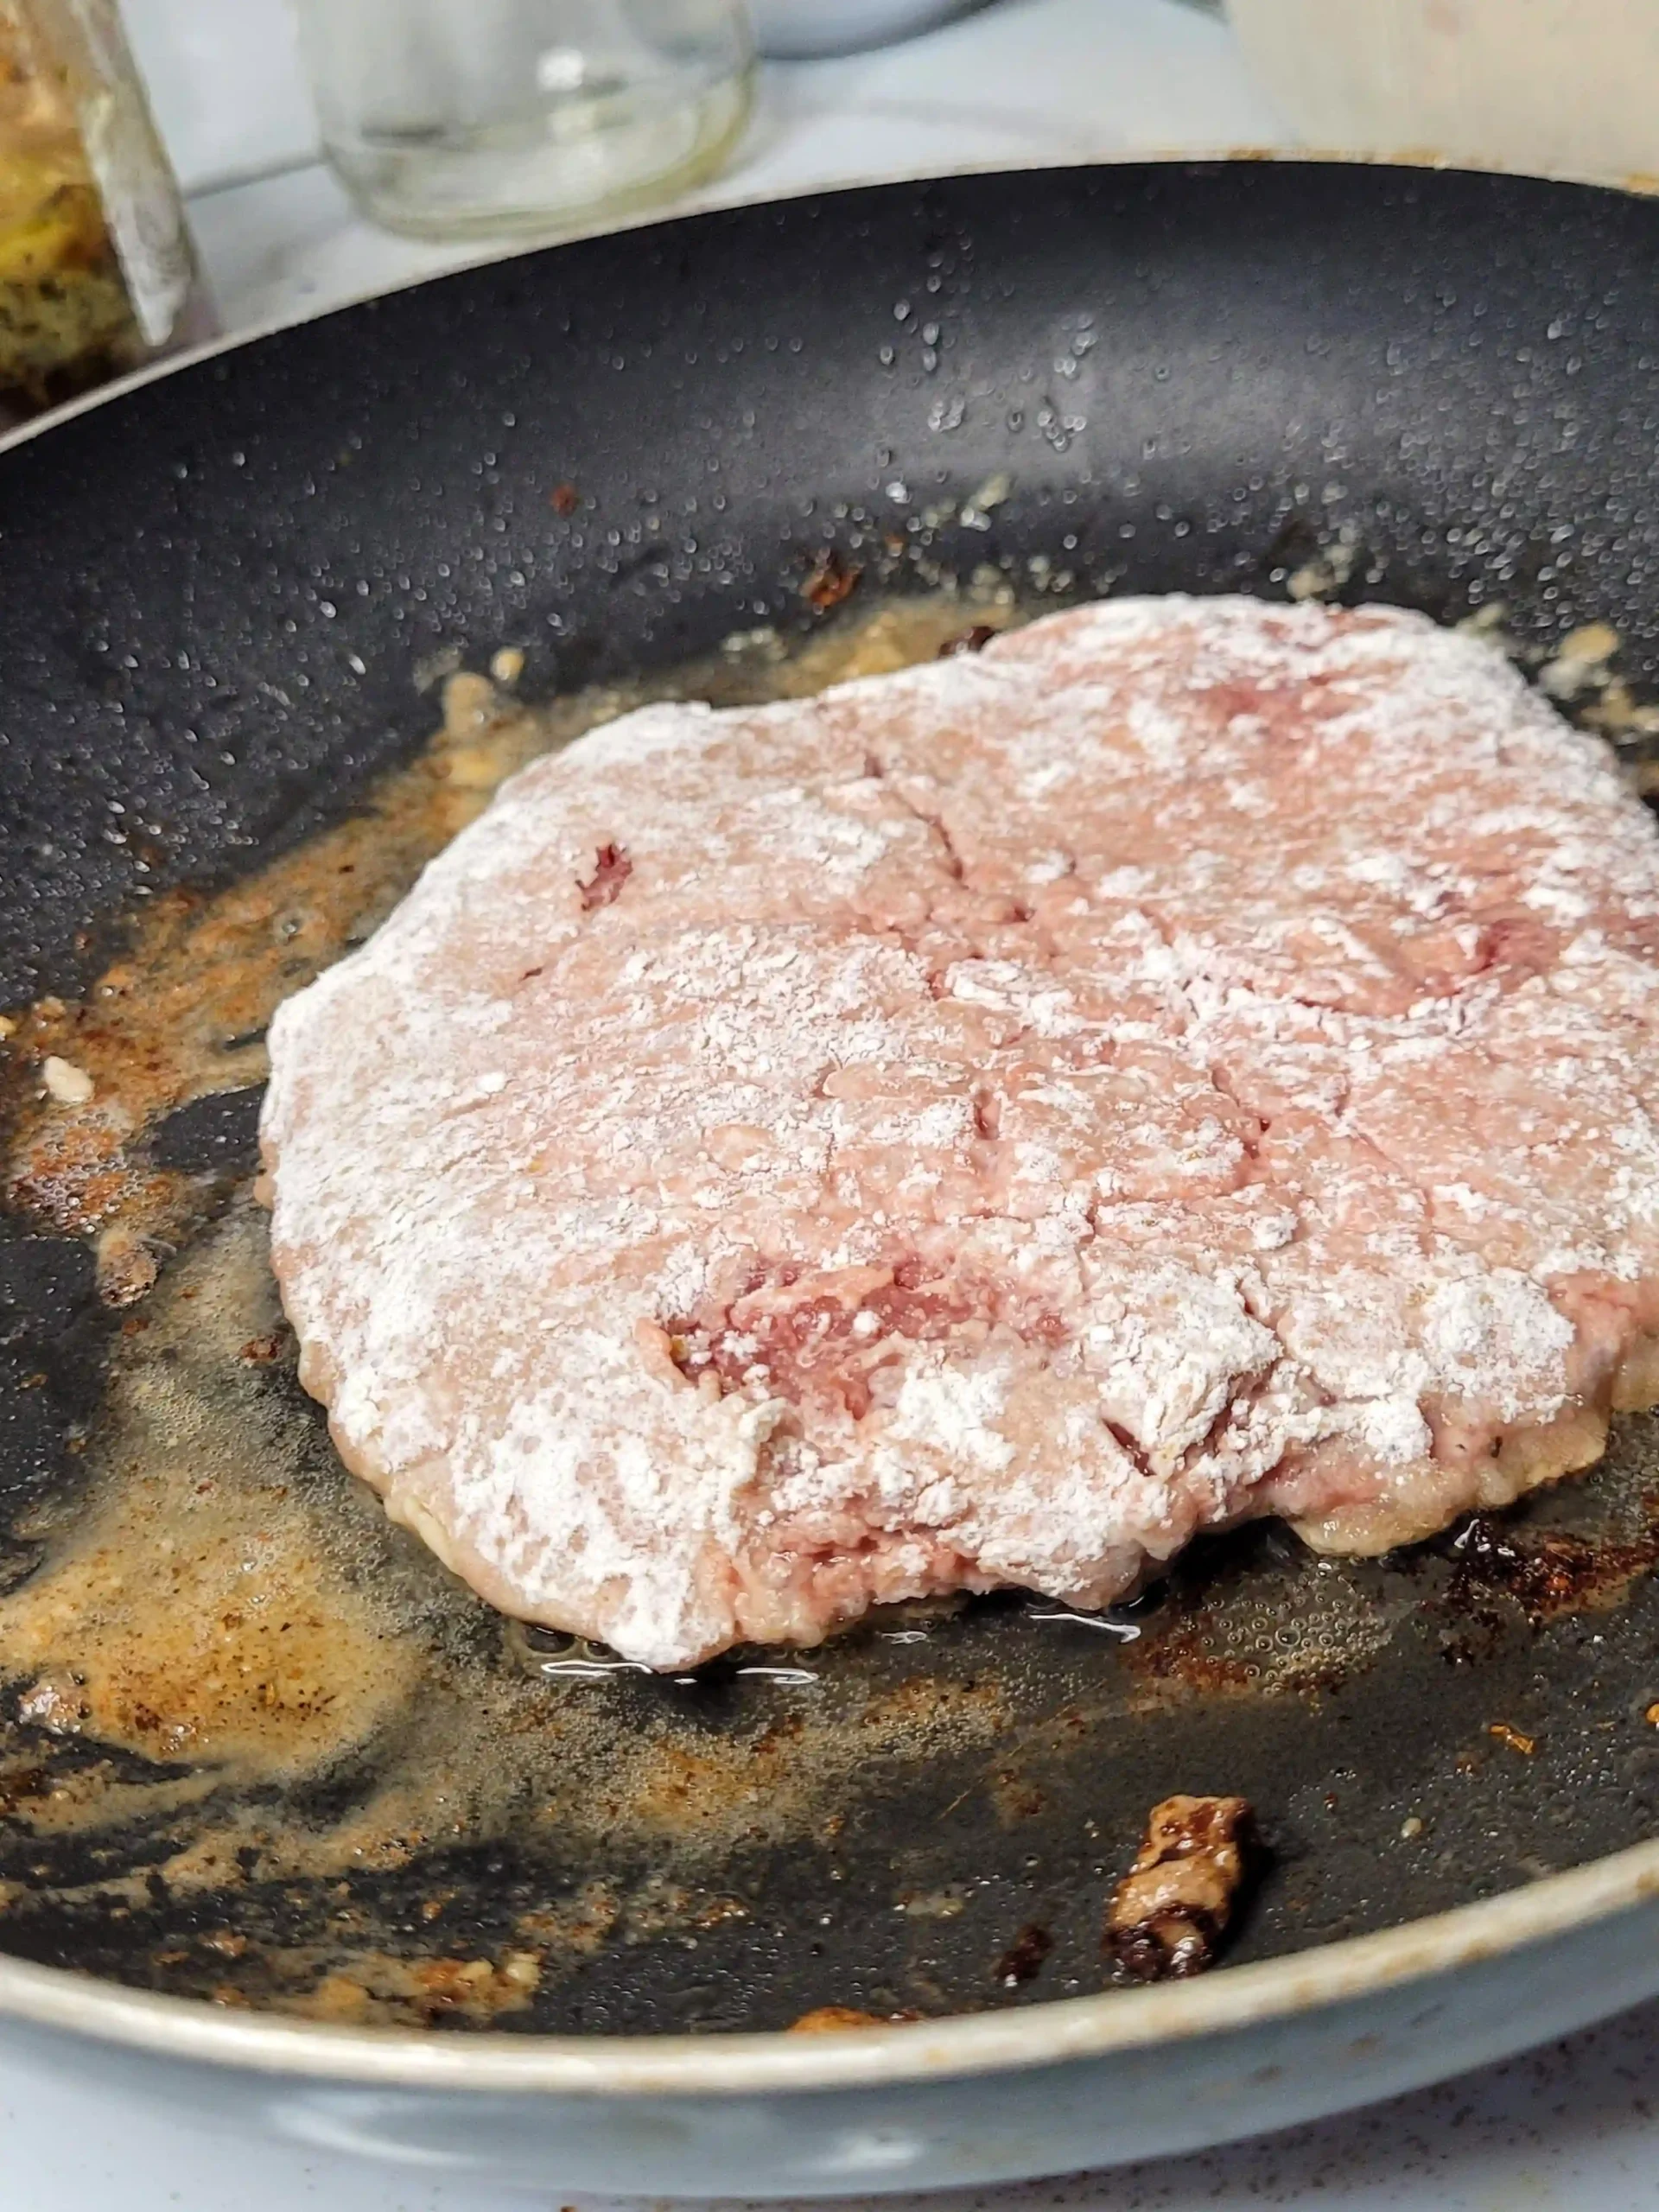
(1193, 1059)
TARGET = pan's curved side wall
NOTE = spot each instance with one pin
(1138, 2103)
(218, 592)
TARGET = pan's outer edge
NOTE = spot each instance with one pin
(606, 2067)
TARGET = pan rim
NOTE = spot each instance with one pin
(725, 2066)
(1401, 162)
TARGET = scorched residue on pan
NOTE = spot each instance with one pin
(258, 1745)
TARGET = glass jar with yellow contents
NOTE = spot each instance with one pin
(97, 274)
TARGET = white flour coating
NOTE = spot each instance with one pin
(1192, 1060)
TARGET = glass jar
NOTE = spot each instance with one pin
(456, 118)
(97, 274)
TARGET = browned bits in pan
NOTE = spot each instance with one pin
(1023, 1960)
(970, 641)
(1168, 1916)
(830, 2019)
(1526, 1745)
(128, 1265)
(1545, 1572)
(832, 581)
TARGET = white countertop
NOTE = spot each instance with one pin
(1572, 2129)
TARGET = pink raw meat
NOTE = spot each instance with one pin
(984, 1124)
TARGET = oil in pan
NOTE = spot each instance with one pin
(260, 1747)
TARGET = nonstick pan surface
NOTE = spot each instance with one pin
(228, 597)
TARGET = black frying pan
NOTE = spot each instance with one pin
(217, 592)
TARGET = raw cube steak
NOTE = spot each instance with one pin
(979, 1125)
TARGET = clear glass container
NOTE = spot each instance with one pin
(97, 274)
(456, 118)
